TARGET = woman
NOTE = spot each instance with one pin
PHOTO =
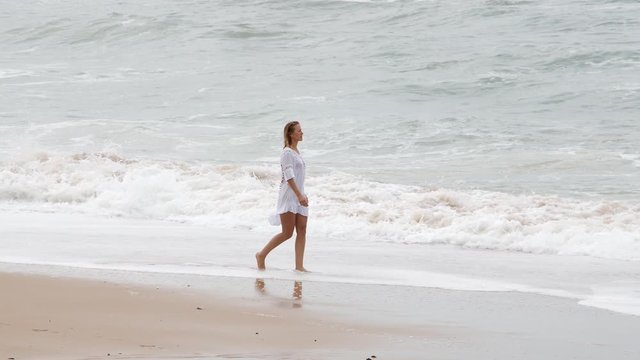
(292, 201)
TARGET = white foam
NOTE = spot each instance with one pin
(342, 206)
(634, 158)
(12, 73)
(310, 98)
(618, 296)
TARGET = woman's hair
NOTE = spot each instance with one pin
(288, 130)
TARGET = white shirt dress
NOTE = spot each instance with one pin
(293, 167)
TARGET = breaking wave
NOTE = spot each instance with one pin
(342, 205)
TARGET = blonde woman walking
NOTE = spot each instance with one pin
(293, 205)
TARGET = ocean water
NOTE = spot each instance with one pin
(493, 125)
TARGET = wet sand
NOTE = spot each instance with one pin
(56, 312)
(61, 318)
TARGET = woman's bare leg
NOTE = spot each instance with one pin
(301, 238)
(288, 221)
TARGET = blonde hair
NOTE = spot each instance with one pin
(288, 130)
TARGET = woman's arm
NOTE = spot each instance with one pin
(301, 197)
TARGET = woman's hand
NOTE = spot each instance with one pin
(304, 201)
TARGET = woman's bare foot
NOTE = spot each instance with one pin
(302, 269)
(260, 261)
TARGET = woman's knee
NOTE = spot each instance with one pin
(301, 226)
(287, 234)
(288, 224)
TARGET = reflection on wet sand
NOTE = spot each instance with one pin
(297, 290)
(296, 299)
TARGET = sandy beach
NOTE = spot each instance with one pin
(60, 318)
(79, 287)
(46, 317)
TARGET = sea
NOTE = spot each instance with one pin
(442, 139)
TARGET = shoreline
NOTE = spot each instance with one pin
(106, 315)
(106, 244)
(469, 304)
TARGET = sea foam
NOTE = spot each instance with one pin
(237, 196)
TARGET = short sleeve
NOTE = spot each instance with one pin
(286, 161)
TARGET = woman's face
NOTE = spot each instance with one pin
(297, 133)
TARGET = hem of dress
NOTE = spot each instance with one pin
(306, 213)
(274, 219)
